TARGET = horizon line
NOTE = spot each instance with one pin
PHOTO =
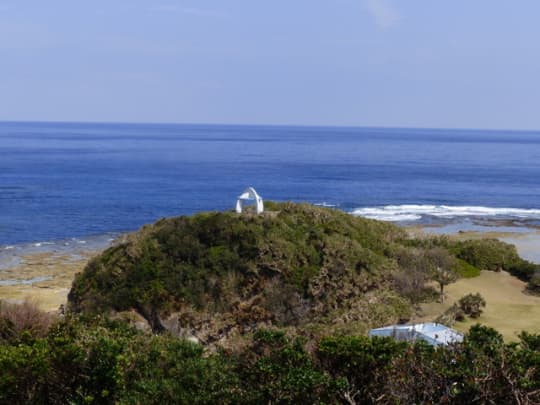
(269, 125)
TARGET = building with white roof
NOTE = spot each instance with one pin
(433, 333)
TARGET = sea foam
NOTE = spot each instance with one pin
(412, 212)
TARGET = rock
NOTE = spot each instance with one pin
(134, 319)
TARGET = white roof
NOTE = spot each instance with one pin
(433, 333)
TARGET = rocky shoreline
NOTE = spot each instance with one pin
(44, 278)
(44, 271)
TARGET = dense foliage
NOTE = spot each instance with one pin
(466, 270)
(296, 265)
(492, 254)
(219, 274)
(103, 362)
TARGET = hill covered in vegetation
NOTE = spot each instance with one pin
(217, 275)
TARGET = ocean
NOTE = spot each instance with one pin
(73, 181)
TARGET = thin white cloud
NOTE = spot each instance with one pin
(383, 12)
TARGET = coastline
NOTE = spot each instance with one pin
(526, 237)
(43, 272)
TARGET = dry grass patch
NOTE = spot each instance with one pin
(509, 309)
(15, 319)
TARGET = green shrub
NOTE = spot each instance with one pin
(523, 269)
(534, 283)
(276, 369)
(472, 304)
(485, 338)
(492, 254)
(357, 360)
(487, 254)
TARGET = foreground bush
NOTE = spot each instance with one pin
(102, 362)
(108, 362)
(278, 369)
(25, 320)
(358, 362)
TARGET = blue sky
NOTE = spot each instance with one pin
(426, 63)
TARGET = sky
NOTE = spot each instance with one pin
(392, 63)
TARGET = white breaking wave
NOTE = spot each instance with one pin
(415, 212)
(39, 244)
(325, 204)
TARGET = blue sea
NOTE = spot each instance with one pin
(71, 181)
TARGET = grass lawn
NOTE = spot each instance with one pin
(508, 309)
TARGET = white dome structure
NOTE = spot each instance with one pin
(249, 195)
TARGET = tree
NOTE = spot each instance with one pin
(413, 273)
(441, 264)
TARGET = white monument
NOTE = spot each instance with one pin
(249, 195)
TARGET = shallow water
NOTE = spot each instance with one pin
(458, 226)
(528, 246)
(12, 256)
